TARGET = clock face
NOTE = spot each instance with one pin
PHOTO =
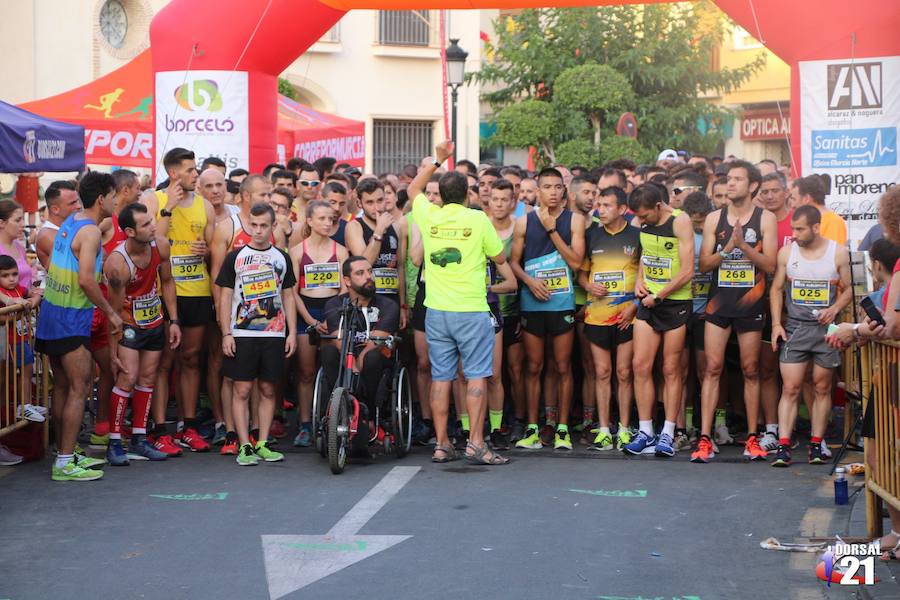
(113, 23)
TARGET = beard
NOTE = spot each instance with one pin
(367, 290)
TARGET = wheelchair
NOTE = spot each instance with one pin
(336, 413)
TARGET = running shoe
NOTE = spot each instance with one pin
(140, 448)
(98, 442)
(246, 457)
(287, 405)
(623, 437)
(30, 413)
(705, 451)
(419, 431)
(192, 440)
(41, 409)
(548, 432)
(9, 458)
(277, 429)
(782, 456)
(562, 440)
(825, 451)
(499, 440)
(165, 444)
(585, 425)
(642, 443)
(88, 462)
(602, 442)
(517, 431)
(682, 441)
(73, 472)
(115, 454)
(262, 451)
(219, 435)
(304, 437)
(231, 444)
(769, 442)
(816, 457)
(665, 445)
(722, 436)
(531, 440)
(752, 449)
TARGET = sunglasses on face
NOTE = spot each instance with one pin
(686, 188)
(309, 183)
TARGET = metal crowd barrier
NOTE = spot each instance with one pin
(881, 369)
(13, 386)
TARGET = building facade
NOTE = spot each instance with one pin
(380, 67)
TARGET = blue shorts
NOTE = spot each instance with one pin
(455, 336)
(24, 355)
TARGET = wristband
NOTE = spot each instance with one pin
(174, 322)
(225, 335)
(165, 213)
(377, 237)
(551, 231)
(856, 330)
(724, 255)
(436, 163)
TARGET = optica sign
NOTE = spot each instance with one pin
(768, 125)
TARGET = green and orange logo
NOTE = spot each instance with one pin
(199, 95)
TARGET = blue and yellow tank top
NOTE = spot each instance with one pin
(543, 261)
(66, 310)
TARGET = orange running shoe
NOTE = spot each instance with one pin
(704, 452)
(231, 445)
(752, 449)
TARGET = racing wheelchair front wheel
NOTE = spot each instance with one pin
(319, 413)
(338, 438)
(401, 412)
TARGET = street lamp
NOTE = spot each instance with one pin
(456, 76)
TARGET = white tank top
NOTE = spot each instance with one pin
(812, 284)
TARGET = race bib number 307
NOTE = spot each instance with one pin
(188, 267)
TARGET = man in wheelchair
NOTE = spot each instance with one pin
(373, 361)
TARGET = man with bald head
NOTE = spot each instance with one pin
(212, 185)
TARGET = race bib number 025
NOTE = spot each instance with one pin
(810, 292)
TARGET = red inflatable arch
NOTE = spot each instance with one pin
(239, 47)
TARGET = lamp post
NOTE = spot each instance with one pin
(456, 76)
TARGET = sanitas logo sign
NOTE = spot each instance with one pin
(842, 148)
(855, 86)
(199, 95)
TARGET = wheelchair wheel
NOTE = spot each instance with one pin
(338, 430)
(319, 412)
(401, 412)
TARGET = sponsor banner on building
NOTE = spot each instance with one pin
(766, 125)
(850, 112)
(204, 111)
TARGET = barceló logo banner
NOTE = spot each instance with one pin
(850, 113)
(205, 111)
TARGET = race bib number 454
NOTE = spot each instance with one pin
(257, 285)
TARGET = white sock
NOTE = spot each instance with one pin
(604, 430)
(772, 428)
(115, 436)
(220, 424)
(179, 427)
(646, 427)
(669, 428)
(63, 459)
(138, 430)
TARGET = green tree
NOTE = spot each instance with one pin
(664, 51)
(527, 123)
(286, 88)
(594, 90)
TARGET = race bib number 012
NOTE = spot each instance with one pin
(556, 280)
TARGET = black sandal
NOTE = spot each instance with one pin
(478, 456)
(450, 454)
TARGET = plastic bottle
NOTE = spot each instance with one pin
(840, 486)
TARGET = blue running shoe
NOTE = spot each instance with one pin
(141, 449)
(115, 454)
(641, 444)
(304, 438)
(665, 445)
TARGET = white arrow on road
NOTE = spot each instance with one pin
(295, 561)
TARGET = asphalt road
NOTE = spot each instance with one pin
(546, 525)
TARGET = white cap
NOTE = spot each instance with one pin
(667, 154)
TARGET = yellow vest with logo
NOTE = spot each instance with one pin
(186, 226)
